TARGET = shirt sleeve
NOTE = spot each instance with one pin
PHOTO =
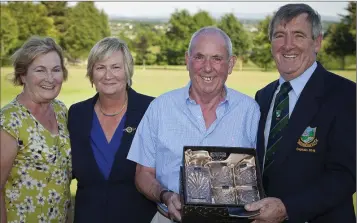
(10, 121)
(253, 124)
(61, 110)
(143, 147)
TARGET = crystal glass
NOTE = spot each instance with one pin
(245, 173)
(221, 174)
(198, 185)
(224, 195)
(247, 194)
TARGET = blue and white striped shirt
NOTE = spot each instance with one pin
(173, 121)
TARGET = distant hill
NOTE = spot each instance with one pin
(129, 25)
(154, 20)
(248, 17)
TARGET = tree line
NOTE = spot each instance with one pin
(78, 28)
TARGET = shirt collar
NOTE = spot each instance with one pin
(299, 83)
(187, 94)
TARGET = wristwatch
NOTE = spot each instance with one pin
(162, 194)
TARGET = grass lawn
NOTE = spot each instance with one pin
(151, 82)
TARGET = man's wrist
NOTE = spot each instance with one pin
(162, 193)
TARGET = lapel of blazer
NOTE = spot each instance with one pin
(133, 116)
(85, 131)
(264, 101)
(87, 115)
(305, 109)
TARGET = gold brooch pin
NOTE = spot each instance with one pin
(129, 129)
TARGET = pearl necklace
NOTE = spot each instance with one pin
(114, 114)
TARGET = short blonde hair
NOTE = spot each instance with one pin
(103, 49)
(30, 50)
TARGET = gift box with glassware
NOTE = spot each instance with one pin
(216, 183)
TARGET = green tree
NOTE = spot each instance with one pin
(161, 57)
(177, 37)
(123, 36)
(350, 18)
(104, 24)
(157, 39)
(340, 42)
(239, 37)
(146, 43)
(261, 51)
(31, 20)
(143, 43)
(339, 45)
(87, 26)
(58, 11)
(202, 19)
(8, 31)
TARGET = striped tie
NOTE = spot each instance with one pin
(279, 121)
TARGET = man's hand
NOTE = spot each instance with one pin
(271, 210)
(173, 203)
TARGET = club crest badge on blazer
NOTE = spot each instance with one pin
(129, 129)
(308, 138)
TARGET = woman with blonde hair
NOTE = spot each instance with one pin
(101, 131)
(35, 147)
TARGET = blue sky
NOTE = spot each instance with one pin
(164, 9)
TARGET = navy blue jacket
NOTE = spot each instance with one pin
(315, 180)
(116, 199)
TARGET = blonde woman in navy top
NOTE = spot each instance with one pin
(101, 131)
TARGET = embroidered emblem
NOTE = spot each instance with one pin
(129, 129)
(308, 138)
(278, 113)
(306, 150)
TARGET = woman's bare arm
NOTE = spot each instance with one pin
(8, 152)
